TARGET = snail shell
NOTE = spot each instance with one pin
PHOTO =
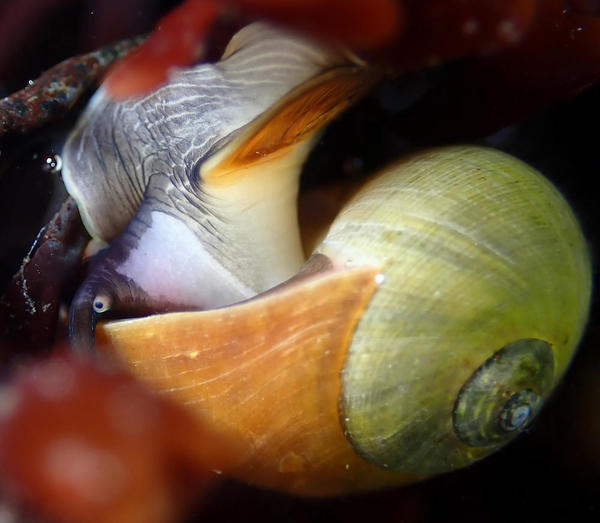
(486, 292)
(426, 331)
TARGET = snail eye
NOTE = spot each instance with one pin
(102, 303)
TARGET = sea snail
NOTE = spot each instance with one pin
(425, 331)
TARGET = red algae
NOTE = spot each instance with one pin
(83, 442)
(557, 58)
(177, 40)
(407, 34)
(354, 23)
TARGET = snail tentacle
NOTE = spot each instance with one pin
(93, 299)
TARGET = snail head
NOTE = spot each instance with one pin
(197, 183)
(105, 294)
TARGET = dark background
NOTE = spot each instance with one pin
(552, 473)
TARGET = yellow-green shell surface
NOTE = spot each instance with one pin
(477, 251)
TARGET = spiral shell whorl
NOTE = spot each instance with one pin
(477, 251)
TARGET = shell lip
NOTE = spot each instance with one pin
(318, 267)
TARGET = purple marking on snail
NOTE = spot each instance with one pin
(138, 170)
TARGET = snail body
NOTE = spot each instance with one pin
(181, 182)
(427, 329)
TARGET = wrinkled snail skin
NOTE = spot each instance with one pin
(160, 175)
(430, 325)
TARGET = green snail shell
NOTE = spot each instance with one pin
(485, 290)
